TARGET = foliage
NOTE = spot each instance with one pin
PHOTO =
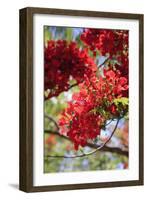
(86, 86)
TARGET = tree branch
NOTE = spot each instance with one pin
(103, 62)
(102, 147)
(110, 149)
(71, 86)
(52, 120)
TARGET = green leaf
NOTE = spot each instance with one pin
(123, 100)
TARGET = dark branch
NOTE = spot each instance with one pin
(109, 122)
(56, 133)
(103, 62)
(110, 149)
(102, 147)
(52, 120)
(71, 86)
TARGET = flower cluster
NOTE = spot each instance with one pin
(103, 93)
(62, 61)
(111, 43)
(77, 122)
(106, 41)
(89, 109)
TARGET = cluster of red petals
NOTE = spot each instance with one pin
(113, 43)
(106, 41)
(93, 105)
(77, 122)
(82, 120)
(63, 60)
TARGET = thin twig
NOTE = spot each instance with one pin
(92, 145)
(56, 133)
(109, 122)
(51, 119)
(90, 153)
(103, 62)
(71, 86)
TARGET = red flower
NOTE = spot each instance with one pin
(86, 113)
(93, 105)
(111, 42)
(63, 60)
(106, 41)
(113, 110)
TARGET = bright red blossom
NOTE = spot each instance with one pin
(106, 41)
(114, 43)
(88, 111)
(83, 118)
(63, 61)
